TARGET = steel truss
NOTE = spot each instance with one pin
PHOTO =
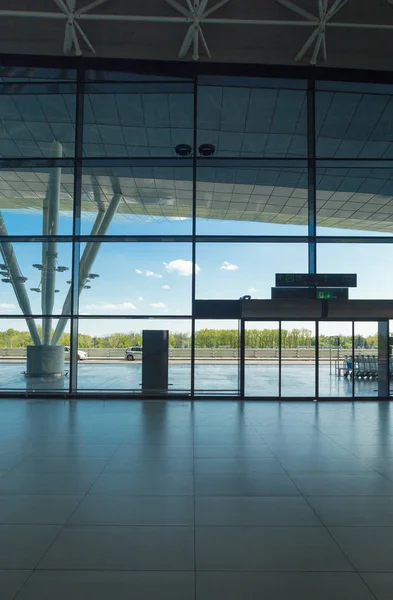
(196, 13)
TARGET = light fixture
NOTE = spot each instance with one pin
(206, 149)
(183, 150)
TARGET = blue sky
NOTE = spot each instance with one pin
(155, 278)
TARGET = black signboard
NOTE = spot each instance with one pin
(311, 293)
(320, 280)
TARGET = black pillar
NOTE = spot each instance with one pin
(383, 359)
(155, 356)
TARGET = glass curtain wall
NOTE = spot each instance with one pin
(125, 197)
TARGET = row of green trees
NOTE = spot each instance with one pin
(204, 338)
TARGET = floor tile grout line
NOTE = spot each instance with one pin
(327, 529)
(194, 500)
(62, 527)
(362, 461)
(194, 469)
(18, 464)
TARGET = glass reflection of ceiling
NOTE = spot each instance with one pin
(247, 122)
(356, 198)
(354, 125)
(240, 122)
(30, 123)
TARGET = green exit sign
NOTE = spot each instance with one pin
(325, 294)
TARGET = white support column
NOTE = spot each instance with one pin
(90, 252)
(17, 281)
(49, 264)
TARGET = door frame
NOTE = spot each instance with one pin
(316, 396)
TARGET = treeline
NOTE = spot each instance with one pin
(204, 338)
(269, 338)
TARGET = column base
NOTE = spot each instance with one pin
(45, 361)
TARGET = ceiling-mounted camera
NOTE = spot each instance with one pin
(183, 150)
(206, 149)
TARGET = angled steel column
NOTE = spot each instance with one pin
(17, 281)
(49, 265)
(89, 255)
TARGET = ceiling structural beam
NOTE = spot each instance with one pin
(89, 7)
(194, 14)
(315, 34)
(204, 42)
(179, 8)
(213, 9)
(318, 37)
(338, 5)
(72, 28)
(297, 9)
(188, 40)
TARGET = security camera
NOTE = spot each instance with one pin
(206, 149)
(183, 150)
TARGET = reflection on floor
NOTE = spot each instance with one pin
(298, 380)
(205, 501)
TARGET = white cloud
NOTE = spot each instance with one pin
(6, 306)
(158, 305)
(181, 267)
(229, 267)
(148, 273)
(252, 290)
(140, 299)
(166, 287)
(177, 218)
(109, 306)
(151, 274)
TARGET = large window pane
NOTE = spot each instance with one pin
(354, 120)
(234, 270)
(371, 262)
(366, 359)
(106, 340)
(245, 199)
(144, 200)
(335, 359)
(34, 116)
(262, 359)
(16, 335)
(34, 277)
(136, 278)
(355, 199)
(25, 194)
(298, 359)
(252, 117)
(137, 119)
(216, 357)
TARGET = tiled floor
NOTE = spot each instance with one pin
(210, 501)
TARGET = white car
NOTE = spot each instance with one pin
(133, 352)
(81, 354)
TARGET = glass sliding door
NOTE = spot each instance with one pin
(366, 359)
(261, 357)
(298, 359)
(335, 359)
(217, 358)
